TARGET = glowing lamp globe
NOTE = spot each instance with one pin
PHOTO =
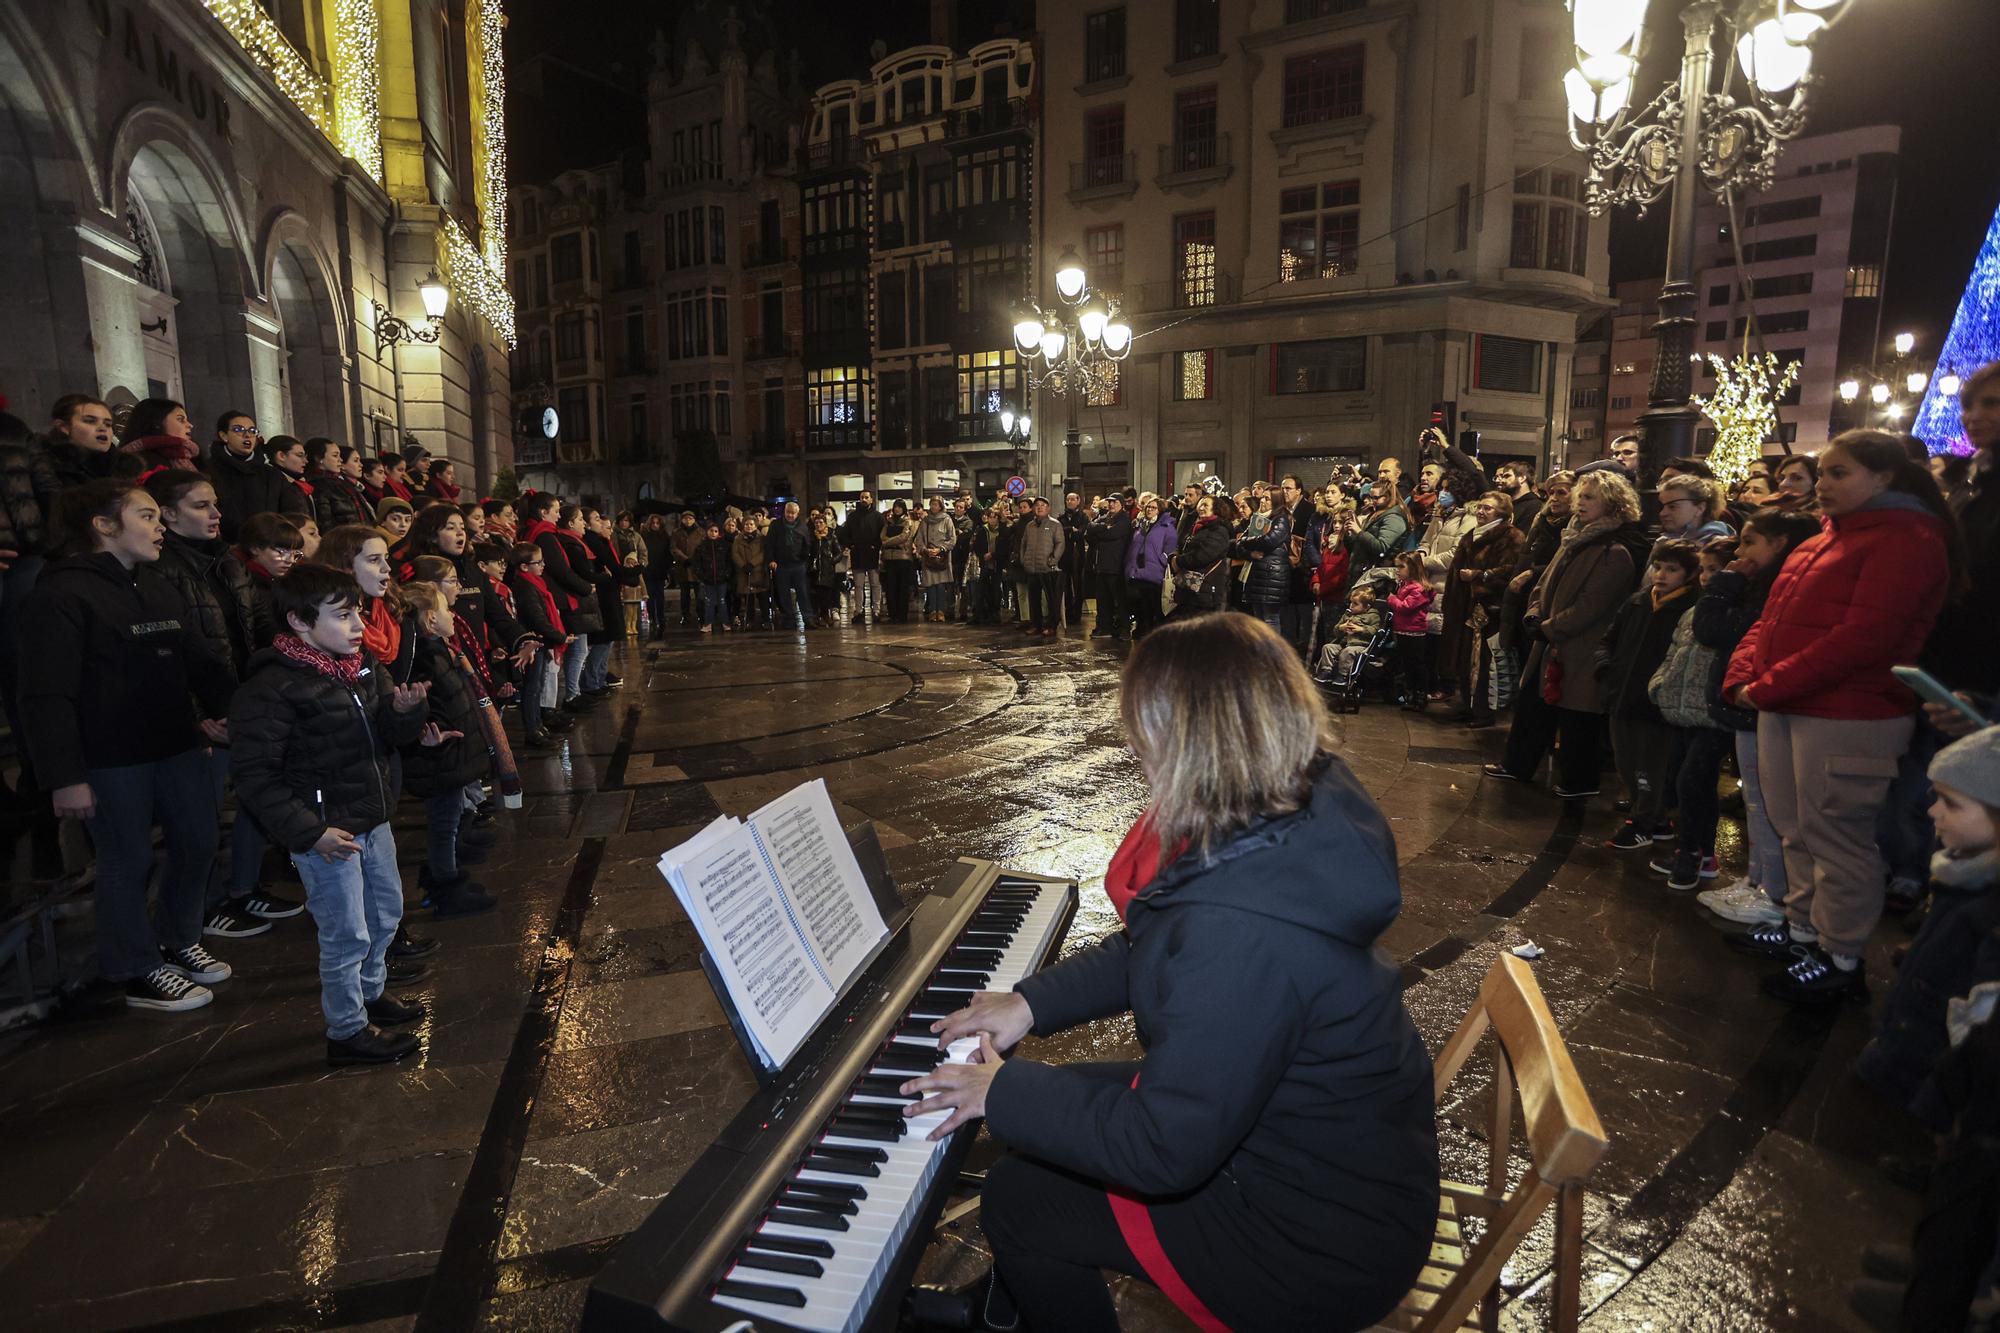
(437, 296)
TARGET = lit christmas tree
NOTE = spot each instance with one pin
(1974, 341)
(1744, 409)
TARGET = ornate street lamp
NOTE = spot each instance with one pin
(391, 328)
(1723, 133)
(1015, 426)
(1073, 348)
(1882, 382)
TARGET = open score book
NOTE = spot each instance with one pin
(784, 911)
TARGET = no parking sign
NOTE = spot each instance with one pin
(1017, 487)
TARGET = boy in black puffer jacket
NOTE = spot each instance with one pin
(1647, 747)
(310, 735)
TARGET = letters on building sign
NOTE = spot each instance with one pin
(150, 54)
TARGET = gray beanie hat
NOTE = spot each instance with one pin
(1971, 765)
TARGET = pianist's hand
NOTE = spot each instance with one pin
(1002, 1015)
(960, 1089)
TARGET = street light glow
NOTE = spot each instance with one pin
(1948, 385)
(1117, 337)
(1028, 333)
(1608, 27)
(1069, 274)
(437, 296)
(1893, 411)
(1880, 393)
(1915, 381)
(1774, 55)
(1905, 343)
(1850, 390)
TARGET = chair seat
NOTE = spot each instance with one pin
(1447, 1258)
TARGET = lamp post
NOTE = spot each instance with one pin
(1077, 344)
(1695, 132)
(1887, 383)
(391, 328)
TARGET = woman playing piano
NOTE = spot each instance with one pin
(1272, 1161)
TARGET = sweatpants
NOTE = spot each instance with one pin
(1824, 780)
(1648, 755)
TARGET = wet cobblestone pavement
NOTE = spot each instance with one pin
(207, 1171)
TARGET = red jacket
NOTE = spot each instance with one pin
(1849, 604)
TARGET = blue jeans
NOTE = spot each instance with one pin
(937, 599)
(246, 842)
(714, 604)
(356, 904)
(178, 794)
(597, 665)
(1767, 854)
(791, 590)
(445, 810)
(574, 658)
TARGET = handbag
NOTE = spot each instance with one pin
(1552, 682)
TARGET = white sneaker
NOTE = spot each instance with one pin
(1749, 909)
(1725, 892)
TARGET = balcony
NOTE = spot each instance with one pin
(1188, 293)
(988, 118)
(834, 153)
(975, 221)
(1113, 176)
(1193, 162)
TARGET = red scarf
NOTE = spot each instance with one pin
(466, 644)
(164, 451)
(397, 488)
(444, 490)
(541, 590)
(255, 570)
(1134, 866)
(346, 670)
(382, 632)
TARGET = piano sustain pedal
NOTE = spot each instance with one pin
(984, 1305)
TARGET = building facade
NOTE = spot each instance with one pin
(216, 203)
(1815, 251)
(916, 193)
(1324, 219)
(658, 295)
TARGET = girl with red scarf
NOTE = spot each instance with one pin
(535, 605)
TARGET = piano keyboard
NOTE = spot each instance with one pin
(829, 1238)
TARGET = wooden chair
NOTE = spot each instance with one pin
(1458, 1290)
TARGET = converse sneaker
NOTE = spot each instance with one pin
(266, 908)
(1684, 874)
(1814, 978)
(1498, 771)
(1629, 838)
(1774, 940)
(163, 988)
(230, 922)
(1736, 888)
(196, 964)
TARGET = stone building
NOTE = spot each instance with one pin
(1323, 219)
(216, 202)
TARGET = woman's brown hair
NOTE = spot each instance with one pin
(1882, 453)
(1226, 723)
(70, 528)
(337, 550)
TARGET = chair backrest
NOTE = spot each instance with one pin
(1564, 1143)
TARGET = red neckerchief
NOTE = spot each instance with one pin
(531, 531)
(381, 632)
(466, 644)
(346, 670)
(1135, 865)
(541, 590)
(302, 484)
(1206, 520)
(256, 571)
(444, 490)
(397, 489)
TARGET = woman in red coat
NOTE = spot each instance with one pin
(1848, 605)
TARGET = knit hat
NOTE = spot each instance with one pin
(1971, 766)
(390, 504)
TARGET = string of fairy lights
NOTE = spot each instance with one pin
(349, 114)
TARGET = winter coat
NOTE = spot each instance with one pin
(433, 770)
(1305, 543)
(1683, 687)
(861, 534)
(1574, 603)
(25, 476)
(610, 574)
(1633, 650)
(824, 553)
(488, 614)
(684, 542)
(1444, 532)
(1410, 608)
(111, 666)
(1375, 538)
(70, 465)
(222, 604)
(1152, 544)
(536, 608)
(1724, 613)
(566, 569)
(1491, 557)
(308, 753)
(1545, 536)
(158, 451)
(1849, 604)
(1307, 1138)
(1204, 553)
(660, 557)
(247, 486)
(746, 555)
(713, 561)
(336, 501)
(896, 537)
(1107, 539)
(1701, 533)
(1076, 533)
(788, 545)
(940, 531)
(1270, 552)
(1526, 507)
(1964, 647)
(1042, 545)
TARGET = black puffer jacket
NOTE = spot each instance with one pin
(862, 535)
(1205, 552)
(1634, 649)
(1728, 607)
(336, 501)
(566, 569)
(1303, 1143)
(1109, 537)
(246, 486)
(484, 610)
(110, 666)
(222, 606)
(711, 562)
(72, 465)
(307, 753)
(432, 770)
(25, 476)
(1270, 581)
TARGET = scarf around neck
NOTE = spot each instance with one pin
(346, 670)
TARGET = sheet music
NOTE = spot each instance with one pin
(783, 911)
(817, 868)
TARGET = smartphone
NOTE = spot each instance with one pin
(1931, 690)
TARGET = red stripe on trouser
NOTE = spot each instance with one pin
(1135, 1224)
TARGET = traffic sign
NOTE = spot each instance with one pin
(1017, 487)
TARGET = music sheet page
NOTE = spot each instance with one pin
(816, 865)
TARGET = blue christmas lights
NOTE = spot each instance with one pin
(1974, 341)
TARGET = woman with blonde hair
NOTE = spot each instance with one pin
(1274, 1174)
(1596, 568)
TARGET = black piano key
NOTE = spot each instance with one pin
(956, 999)
(817, 1249)
(799, 1217)
(791, 1198)
(909, 1060)
(869, 1111)
(970, 958)
(989, 939)
(781, 1263)
(977, 980)
(841, 1166)
(998, 921)
(865, 1129)
(758, 1291)
(827, 1189)
(881, 1085)
(915, 1027)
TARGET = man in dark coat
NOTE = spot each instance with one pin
(1295, 617)
(788, 546)
(1075, 520)
(1108, 537)
(861, 534)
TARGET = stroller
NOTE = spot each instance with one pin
(1349, 672)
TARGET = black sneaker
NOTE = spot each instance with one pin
(370, 1046)
(165, 989)
(1664, 833)
(1684, 876)
(1573, 793)
(266, 908)
(407, 971)
(229, 923)
(1629, 838)
(461, 896)
(1771, 941)
(556, 721)
(539, 739)
(612, 680)
(409, 944)
(386, 1011)
(1815, 979)
(1499, 771)
(196, 964)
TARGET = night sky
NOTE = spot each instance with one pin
(1926, 64)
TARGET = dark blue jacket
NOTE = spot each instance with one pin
(1270, 581)
(1285, 1096)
